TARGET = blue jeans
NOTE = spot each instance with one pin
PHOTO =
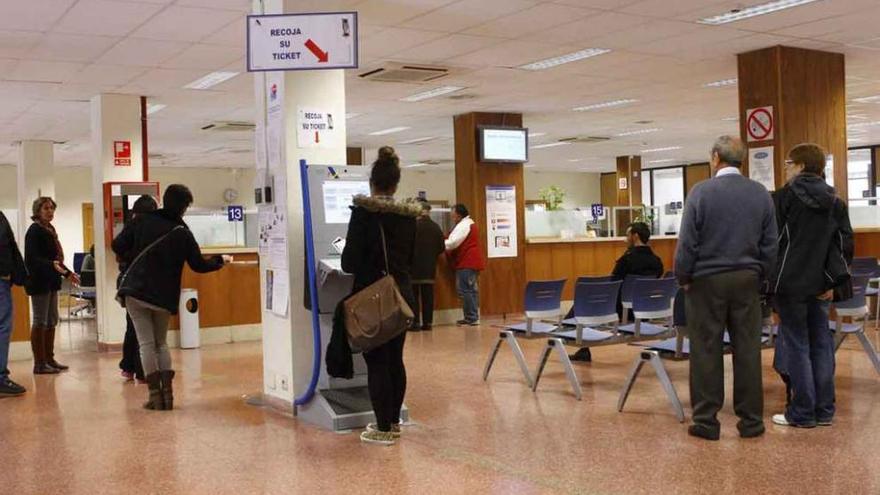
(806, 348)
(5, 326)
(469, 292)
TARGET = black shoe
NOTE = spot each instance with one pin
(703, 432)
(45, 369)
(472, 323)
(9, 388)
(752, 432)
(583, 355)
(427, 327)
(460, 323)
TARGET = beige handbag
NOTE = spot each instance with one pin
(378, 312)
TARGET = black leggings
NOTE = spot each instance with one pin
(386, 379)
(131, 357)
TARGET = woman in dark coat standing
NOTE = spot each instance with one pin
(44, 258)
(364, 258)
(156, 245)
(429, 246)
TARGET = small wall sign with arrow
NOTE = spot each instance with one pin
(302, 41)
(314, 128)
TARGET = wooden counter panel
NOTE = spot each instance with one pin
(21, 315)
(868, 244)
(445, 296)
(228, 297)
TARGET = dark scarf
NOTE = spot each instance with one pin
(51, 229)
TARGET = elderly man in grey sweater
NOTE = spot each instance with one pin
(726, 250)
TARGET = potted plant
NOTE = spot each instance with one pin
(553, 197)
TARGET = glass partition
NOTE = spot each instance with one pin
(559, 223)
(212, 228)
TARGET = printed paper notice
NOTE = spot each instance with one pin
(761, 167)
(280, 293)
(501, 221)
(337, 198)
(314, 128)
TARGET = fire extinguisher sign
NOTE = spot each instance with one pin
(121, 153)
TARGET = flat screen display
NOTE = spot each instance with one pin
(337, 198)
(504, 144)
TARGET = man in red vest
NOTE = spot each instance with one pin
(463, 248)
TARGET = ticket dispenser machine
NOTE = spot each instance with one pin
(119, 198)
(338, 404)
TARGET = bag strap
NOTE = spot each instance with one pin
(144, 251)
(384, 248)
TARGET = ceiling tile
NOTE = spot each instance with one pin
(203, 56)
(112, 75)
(104, 17)
(598, 4)
(540, 18)
(511, 53)
(239, 5)
(587, 29)
(394, 40)
(72, 47)
(30, 70)
(185, 24)
(32, 15)
(465, 14)
(393, 12)
(447, 47)
(15, 44)
(233, 34)
(140, 52)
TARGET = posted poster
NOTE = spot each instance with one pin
(314, 128)
(761, 167)
(501, 221)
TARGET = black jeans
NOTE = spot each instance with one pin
(423, 294)
(131, 357)
(386, 379)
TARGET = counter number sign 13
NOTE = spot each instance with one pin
(302, 41)
(235, 213)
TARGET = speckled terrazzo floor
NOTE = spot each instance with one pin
(84, 432)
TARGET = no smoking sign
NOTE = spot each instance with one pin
(759, 124)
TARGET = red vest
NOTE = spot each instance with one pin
(468, 254)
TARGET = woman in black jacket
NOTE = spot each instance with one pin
(130, 364)
(44, 258)
(364, 258)
(155, 246)
(810, 219)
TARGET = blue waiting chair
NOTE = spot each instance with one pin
(651, 300)
(543, 299)
(594, 304)
(569, 317)
(868, 266)
(855, 308)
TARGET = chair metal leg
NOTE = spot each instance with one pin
(492, 355)
(545, 354)
(869, 349)
(559, 346)
(508, 336)
(668, 387)
(630, 380)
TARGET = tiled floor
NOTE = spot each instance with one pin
(84, 432)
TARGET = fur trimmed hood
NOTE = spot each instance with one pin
(384, 204)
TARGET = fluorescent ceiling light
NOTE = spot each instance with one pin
(154, 107)
(605, 104)
(573, 160)
(537, 134)
(564, 59)
(352, 115)
(864, 124)
(730, 119)
(867, 99)
(390, 130)
(658, 150)
(665, 160)
(211, 79)
(415, 165)
(756, 10)
(418, 140)
(722, 83)
(432, 93)
(550, 145)
(636, 133)
(528, 166)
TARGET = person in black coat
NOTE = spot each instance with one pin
(365, 259)
(155, 246)
(44, 258)
(130, 364)
(12, 272)
(811, 219)
(429, 246)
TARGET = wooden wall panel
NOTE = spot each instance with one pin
(502, 282)
(21, 315)
(694, 174)
(609, 189)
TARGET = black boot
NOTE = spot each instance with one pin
(39, 350)
(155, 385)
(167, 376)
(49, 337)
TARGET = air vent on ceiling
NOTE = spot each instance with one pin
(406, 73)
(585, 139)
(227, 126)
(156, 156)
(644, 122)
(466, 96)
(437, 161)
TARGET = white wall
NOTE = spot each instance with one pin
(208, 184)
(8, 187)
(439, 184)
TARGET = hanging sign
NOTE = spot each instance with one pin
(313, 128)
(302, 41)
(759, 124)
(501, 221)
(235, 213)
(598, 211)
(121, 153)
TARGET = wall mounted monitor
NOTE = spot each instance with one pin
(503, 144)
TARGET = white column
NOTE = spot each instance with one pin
(36, 177)
(287, 342)
(114, 118)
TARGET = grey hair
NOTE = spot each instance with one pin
(730, 150)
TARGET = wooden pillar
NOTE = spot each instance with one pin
(807, 91)
(503, 282)
(629, 188)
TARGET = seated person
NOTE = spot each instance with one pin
(638, 259)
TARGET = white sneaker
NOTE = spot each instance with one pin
(781, 420)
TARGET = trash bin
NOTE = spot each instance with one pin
(189, 319)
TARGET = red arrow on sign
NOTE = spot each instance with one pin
(315, 49)
(317, 137)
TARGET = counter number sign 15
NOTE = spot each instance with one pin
(235, 213)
